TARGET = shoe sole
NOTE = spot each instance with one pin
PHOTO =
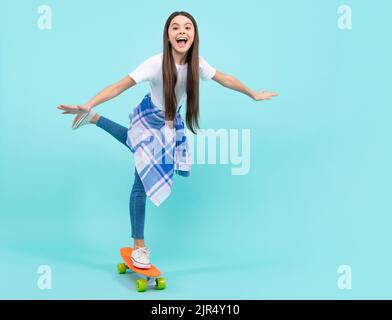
(80, 120)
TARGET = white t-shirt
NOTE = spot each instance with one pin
(151, 70)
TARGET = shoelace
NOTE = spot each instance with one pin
(146, 250)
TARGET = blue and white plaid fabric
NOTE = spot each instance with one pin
(159, 151)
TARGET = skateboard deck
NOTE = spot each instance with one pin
(151, 273)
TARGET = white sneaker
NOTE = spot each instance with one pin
(84, 119)
(141, 258)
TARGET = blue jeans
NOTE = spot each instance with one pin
(137, 201)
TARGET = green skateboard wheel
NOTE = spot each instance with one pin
(121, 268)
(160, 283)
(141, 285)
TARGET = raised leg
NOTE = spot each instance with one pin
(113, 128)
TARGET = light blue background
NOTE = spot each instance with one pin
(318, 192)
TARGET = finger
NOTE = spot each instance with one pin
(66, 108)
(71, 110)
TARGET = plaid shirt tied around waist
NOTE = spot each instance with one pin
(159, 150)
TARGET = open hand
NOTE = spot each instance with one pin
(264, 95)
(78, 110)
(73, 109)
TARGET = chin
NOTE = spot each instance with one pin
(181, 50)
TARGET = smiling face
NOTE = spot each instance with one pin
(181, 33)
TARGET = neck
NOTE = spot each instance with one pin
(179, 58)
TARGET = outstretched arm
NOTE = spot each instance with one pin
(230, 82)
(108, 93)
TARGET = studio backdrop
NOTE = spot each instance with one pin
(288, 198)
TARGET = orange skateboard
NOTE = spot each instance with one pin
(151, 273)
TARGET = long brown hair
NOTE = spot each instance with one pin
(170, 76)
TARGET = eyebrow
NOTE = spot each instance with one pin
(178, 24)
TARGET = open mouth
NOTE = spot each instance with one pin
(181, 41)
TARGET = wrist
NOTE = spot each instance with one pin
(87, 106)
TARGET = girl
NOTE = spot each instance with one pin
(156, 129)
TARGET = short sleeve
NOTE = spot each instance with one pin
(144, 71)
(206, 71)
